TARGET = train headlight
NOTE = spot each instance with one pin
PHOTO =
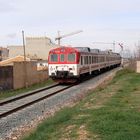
(51, 69)
(73, 68)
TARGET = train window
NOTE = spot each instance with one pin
(62, 57)
(95, 59)
(81, 60)
(99, 59)
(71, 57)
(89, 59)
(54, 58)
(85, 60)
(102, 59)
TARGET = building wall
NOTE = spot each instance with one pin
(6, 77)
(29, 76)
(16, 76)
(15, 51)
(138, 66)
(4, 52)
(38, 47)
(134, 66)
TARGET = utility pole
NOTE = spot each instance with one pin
(23, 39)
(59, 38)
(114, 45)
(122, 53)
(25, 70)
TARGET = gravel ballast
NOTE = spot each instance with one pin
(13, 126)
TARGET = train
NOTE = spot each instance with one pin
(69, 64)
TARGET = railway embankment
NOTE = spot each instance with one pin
(110, 112)
(14, 124)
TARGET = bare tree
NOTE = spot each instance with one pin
(137, 51)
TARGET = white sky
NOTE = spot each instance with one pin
(100, 20)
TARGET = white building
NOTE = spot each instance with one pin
(15, 50)
(37, 48)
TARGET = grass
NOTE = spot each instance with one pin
(9, 93)
(112, 113)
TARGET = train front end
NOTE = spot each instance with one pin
(62, 63)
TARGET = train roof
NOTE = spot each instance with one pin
(63, 49)
(78, 49)
(82, 49)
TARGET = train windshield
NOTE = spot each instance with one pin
(71, 57)
(54, 57)
(62, 57)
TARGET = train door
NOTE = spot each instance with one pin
(90, 70)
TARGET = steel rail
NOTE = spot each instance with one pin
(12, 99)
(32, 102)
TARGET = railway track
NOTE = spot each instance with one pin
(19, 102)
(17, 97)
(15, 104)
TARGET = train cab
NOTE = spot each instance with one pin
(63, 63)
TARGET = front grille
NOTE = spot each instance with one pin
(53, 74)
(62, 74)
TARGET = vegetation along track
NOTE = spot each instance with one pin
(10, 106)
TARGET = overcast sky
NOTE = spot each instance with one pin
(100, 20)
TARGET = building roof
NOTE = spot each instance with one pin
(35, 37)
(10, 61)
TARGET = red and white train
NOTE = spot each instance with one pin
(67, 64)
